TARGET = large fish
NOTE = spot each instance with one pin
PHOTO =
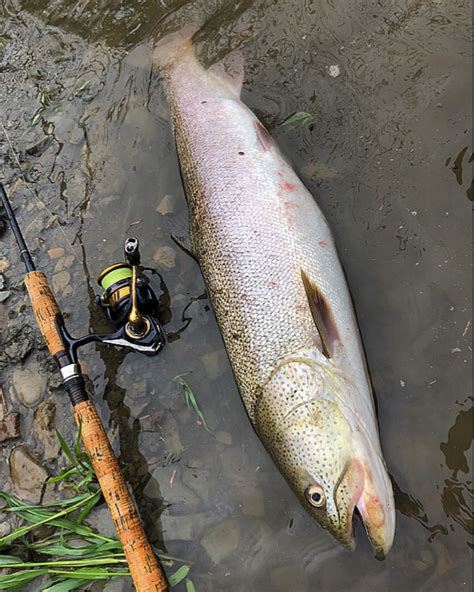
(280, 297)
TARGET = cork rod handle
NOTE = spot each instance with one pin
(46, 310)
(146, 572)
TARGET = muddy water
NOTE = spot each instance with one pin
(388, 158)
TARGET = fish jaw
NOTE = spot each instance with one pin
(302, 417)
(376, 507)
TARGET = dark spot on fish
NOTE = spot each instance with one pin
(263, 136)
(470, 191)
(290, 525)
(203, 102)
(241, 153)
(457, 166)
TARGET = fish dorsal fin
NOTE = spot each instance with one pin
(322, 315)
(231, 71)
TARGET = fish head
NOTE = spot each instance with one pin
(322, 451)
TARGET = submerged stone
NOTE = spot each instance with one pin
(221, 540)
(27, 475)
(29, 383)
(44, 429)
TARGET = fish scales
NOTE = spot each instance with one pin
(261, 240)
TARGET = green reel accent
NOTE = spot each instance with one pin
(114, 274)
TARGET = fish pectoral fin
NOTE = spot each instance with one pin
(322, 315)
(179, 232)
(231, 71)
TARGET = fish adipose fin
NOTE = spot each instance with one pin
(322, 315)
(231, 71)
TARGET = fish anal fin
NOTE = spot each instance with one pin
(322, 316)
(263, 135)
(231, 71)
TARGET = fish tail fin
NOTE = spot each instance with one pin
(174, 46)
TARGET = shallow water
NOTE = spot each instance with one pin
(388, 159)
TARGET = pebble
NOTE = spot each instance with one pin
(28, 476)
(173, 444)
(166, 205)
(4, 294)
(60, 281)
(165, 257)
(221, 540)
(188, 527)
(2, 282)
(4, 264)
(215, 363)
(10, 426)
(252, 502)
(44, 429)
(224, 437)
(56, 253)
(334, 71)
(29, 383)
(198, 480)
(101, 520)
(64, 263)
(167, 483)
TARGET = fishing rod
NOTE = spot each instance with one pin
(131, 305)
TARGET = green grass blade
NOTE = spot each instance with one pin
(297, 119)
(20, 578)
(56, 585)
(178, 576)
(86, 510)
(65, 448)
(19, 532)
(190, 587)
(190, 399)
(8, 559)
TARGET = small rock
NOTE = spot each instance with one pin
(166, 205)
(60, 281)
(3, 226)
(64, 263)
(251, 501)
(334, 71)
(29, 383)
(188, 527)
(4, 264)
(175, 494)
(215, 363)
(28, 476)
(173, 444)
(56, 253)
(199, 481)
(10, 426)
(101, 520)
(165, 257)
(224, 437)
(221, 540)
(43, 429)
(4, 294)
(2, 282)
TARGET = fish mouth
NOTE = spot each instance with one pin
(356, 495)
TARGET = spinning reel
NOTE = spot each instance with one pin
(130, 304)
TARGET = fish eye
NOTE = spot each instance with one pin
(315, 496)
